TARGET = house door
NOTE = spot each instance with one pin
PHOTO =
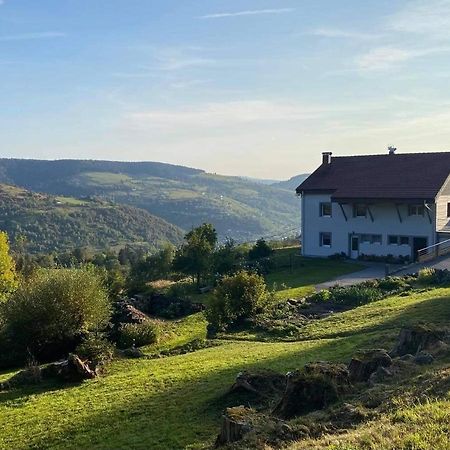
(418, 244)
(354, 247)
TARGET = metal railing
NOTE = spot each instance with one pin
(434, 251)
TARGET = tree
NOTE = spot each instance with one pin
(228, 257)
(48, 314)
(8, 276)
(260, 250)
(195, 256)
(237, 297)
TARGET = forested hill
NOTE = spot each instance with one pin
(52, 223)
(239, 208)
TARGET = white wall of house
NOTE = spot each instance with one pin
(385, 222)
(443, 199)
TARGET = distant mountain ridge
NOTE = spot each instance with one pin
(51, 223)
(292, 183)
(186, 197)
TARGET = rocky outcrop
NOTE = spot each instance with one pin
(28, 376)
(413, 340)
(263, 383)
(236, 423)
(315, 387)
(124, 312)
(73, 369)
(366, 362)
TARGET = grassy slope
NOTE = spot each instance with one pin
(174, 402)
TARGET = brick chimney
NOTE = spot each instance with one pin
(326, 157)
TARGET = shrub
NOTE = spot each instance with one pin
(47, 314)
(390, 284)
(320, 297)
(237, 297)
(96, 349)
(355, 295)
(137, 334)
(260, 250)
(8, 277)
(429, 276)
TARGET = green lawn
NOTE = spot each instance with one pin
(299, 279)
(176, 402)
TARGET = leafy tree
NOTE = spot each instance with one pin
(8, 276)
(237, 297)
(48, 314)
(260, 250)
(195, 257)
(152, 267)
(228, 257)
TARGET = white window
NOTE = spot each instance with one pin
(325, 209)
(325, 239)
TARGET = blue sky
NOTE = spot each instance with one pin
(246, 87)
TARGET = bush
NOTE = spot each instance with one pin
(391, 284)
(96, 349)
(320, 297)
(48, 314)
(137, 334)
(260, 250)
(355, 295)
(237, 297)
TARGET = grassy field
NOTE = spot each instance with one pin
(176, 402)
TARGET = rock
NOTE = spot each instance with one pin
(407, 358)
(423, 358)
(439, 348)
(379, 376)
(414, 339)
(31, 375)
(132, 352)
(366, 362)
(236, 423)
(124, 312)
(264, 383)
(349, 415)
(73, 369)
(315, 387)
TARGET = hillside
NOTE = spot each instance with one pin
(57, 223)
(292, 183)
(238, 208)
(176, 402)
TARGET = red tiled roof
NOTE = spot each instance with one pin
(399, 176)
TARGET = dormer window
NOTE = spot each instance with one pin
(359, 210)
(416, 210)
(325, 209)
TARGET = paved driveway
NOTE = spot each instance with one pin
(373, 271)
(370, 272)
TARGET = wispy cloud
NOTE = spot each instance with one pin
(32, 36)
(254, 12)
(344, 34)
(384, 58)
(428, 17)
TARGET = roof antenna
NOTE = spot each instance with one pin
(392, 150)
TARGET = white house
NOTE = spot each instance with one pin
(392, 204)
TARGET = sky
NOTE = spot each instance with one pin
(239, 87)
